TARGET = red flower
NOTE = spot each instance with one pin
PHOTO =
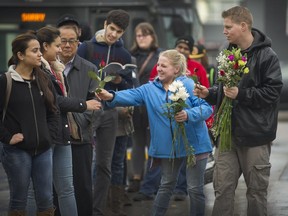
(236, 66)
(222, 73)
(102, 64)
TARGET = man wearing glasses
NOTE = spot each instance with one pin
(79, 86)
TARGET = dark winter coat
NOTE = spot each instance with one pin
(255, 114)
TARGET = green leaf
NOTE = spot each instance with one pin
(94, 76)
(102, 84)
(109, 78)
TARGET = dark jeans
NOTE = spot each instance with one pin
(20, 167)
(106, 127)
(151, 179)
(82, 162)
(117, 167)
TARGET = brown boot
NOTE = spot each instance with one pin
(117, 195)
(48, 212)
(17, 213)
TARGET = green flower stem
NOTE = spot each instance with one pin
(222, 125)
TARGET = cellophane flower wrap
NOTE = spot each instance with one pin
(178, 97)
(231, 67)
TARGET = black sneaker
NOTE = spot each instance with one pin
(142, 197)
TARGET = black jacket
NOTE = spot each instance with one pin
(27, 114)
(255, 113)
(65, 104)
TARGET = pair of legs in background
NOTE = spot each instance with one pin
(195, 186)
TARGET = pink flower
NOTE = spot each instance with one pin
(231, 57)
(244, 58)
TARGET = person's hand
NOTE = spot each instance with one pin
(93, 104)
(200, 91)
(181, 116)
(104, 95)
(231, 92)
(117, 79)
(16, 138)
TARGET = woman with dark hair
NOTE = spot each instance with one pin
(28, 128)
(145, 50)
(50, 42)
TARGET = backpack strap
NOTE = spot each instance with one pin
(8, 92)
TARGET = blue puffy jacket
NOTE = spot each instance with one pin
(154, 96)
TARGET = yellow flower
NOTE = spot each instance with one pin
(241, 62)
(246, 70)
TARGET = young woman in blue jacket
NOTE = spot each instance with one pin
(171, 66)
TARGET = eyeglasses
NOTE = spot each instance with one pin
(142, 36)
(70, 41)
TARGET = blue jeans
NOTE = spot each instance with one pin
(117, 166)
(170, 171)
(20, 167)
(62, 180)
(181, 186)
(195, 186)
(151, 179)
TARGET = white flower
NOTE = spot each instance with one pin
(174, 97)
(172, 88)
(175, 85)
(183, 94)
(178, 91)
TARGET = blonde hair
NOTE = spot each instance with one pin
(177, 59)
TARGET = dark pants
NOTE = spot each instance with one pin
(82, 162)
(106, 127)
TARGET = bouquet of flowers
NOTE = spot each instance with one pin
(178, 97)
(231, 67)
(102, 81)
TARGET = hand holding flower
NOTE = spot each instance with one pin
(181, 116)
(104, 95)
(231, 92)
(200, 91)
(93, 104)
(232, 67)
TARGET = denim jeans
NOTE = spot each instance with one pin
(117, 166)
(195, 187)
(63, 183)
(20, 167)
(170, 171)
(151, 179)
(181, 186)
(63, 180)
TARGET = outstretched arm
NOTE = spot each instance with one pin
(105, 95)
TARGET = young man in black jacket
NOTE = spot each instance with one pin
(254, 117)
(106, 47)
